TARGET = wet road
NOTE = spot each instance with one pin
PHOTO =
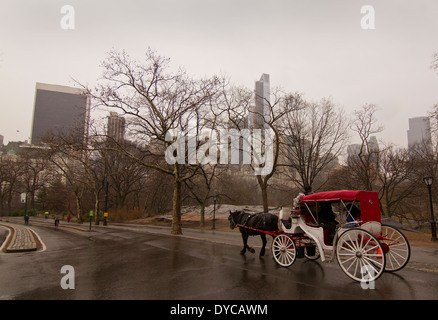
(126, 264)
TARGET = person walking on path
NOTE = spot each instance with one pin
(26, 220)
(56, 222)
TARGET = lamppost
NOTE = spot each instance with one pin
(214, 213)
(428, 180)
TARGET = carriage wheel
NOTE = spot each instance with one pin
(312, 253)
(399, 251)
(284, 250)
(360, 255)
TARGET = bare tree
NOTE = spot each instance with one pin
(66, 154)
(35, 171)
(10, 173)
(264, 148)
(124, 176)
(200, 187)
(397, 180)
(314, 137)
(365, 164)
(160, 106)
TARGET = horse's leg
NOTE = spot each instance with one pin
(263, 236)
(245, 240)
(250, 249)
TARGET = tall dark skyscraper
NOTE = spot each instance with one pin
(419, 133)
(260, 113)
(116, 127)
(59, 109)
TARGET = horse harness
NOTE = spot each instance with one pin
(260, 224)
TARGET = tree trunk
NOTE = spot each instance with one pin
(265, 199)
(203, 204)
(264, 188)
(78, 209)
(1, 201)
(176, 221)
(32, 198)
(202, 222)
(96, 210)
(9, 206)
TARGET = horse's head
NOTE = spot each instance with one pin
(232, 218)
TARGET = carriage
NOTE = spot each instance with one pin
(344, 224)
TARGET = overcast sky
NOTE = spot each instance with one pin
(316, 47)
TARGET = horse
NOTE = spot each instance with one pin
(260, 221)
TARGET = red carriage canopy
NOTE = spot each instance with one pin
(369, 201)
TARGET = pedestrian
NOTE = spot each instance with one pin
(56, 222)
(68, 218)
(26, 220)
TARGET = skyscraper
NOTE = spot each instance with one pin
(59, 109)
(368, 149)
(116, 127)
(260, 113)
(419, 132)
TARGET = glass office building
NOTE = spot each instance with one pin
(59, 109)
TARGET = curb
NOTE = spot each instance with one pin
(20, 239)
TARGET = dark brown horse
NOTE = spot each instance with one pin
(260, 221)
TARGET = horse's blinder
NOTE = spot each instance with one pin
(232, 222)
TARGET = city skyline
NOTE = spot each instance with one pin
(318, 49)
(419, 127)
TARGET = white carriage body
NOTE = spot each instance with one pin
(299, 225)
(346, 224)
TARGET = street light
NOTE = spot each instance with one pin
(214, 213)
(428, 180)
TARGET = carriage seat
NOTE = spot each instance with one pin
(287, 223)
(328, 241)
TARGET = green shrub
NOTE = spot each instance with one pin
(20, 212)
